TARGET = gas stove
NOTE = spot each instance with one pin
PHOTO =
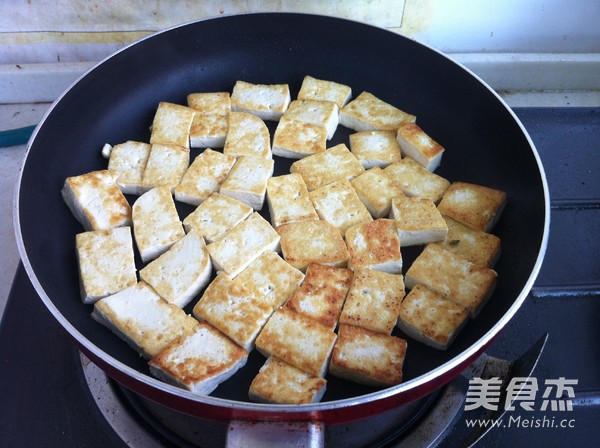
(54, 396)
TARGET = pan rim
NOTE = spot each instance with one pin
(405, 387)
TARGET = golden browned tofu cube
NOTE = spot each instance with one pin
(296, 139)
(376, 189)
(247, 180)
(308, 242)
(477, 206)
(298, 340)
(419, 146)
(453, 277)
(166, 166)
(247, 135)
(431, 318)
(418, 221)
(375, 245)
(322, 90)
(375, 148)
(199, 361)
(368, 357)
(322, 294)
(319, 113)
(368, 113)
(288, 200)
(267, 101)
(171, 125)
(211, 122)
(374, 300)
(128, 161)
(213, 103)
(478, 247)
(415, 180)
(278, 382)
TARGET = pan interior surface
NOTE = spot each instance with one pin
(116, 101)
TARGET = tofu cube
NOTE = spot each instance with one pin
(296, 140)
(244, 243)
(156, 224)
(308, 242)
(318, 113)
(180, 273)
(368, 357)
(171, 125)
(210, 103)
(339, 205)
(247, 135)
(273, 278)
(297, 340)
(209, 131)
(478, 247)
(203, 177)
(323, 168)
(430, 318)
(278, 382)
(267, 101)
(415, 180)
(216, 216)
(199, 361)
(418, 221)
(142, 319)
(368, 113)
(375, 148)
(233, 309)
(247, 181)
(375, 245)
(96, 201)
(322, 294)
(419, 146)
(474, 205)
(322, 90)
(288, 200)
(376, 189)
(128, 161)
(166, 165)
(106, 262)
(453, 277)
(373, 301)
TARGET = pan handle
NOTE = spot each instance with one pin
(262, 434)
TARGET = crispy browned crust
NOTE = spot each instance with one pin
(381, 243)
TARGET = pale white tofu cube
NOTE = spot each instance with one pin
(288, 200)
(128, 161)
(375, 148)
(247, 181)
(267, 101)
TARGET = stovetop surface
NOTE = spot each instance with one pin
(46, 402)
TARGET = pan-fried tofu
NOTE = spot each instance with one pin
(476, 206)
(430, 318)
(339, 205)
(199, 361)
(478, 247)
(244, 243)
(322, 90)
(233, 309)
(376, 189)
(418, 221)
(375, 245)
(156, 224)
(322, 294)
(180, 273)
(415, 180)
(374, 300)
(318, 113)
(375, 148)
(297, 340)
(368, 113)
(419, 146)
(128, 161)
(323, 168)
(278, 382)
(453, 277)
(368, 357)
(296, 140)
(288, 200)
(96, 201)
(142, 319)
(272, 278)
(106, 262)
(210, 103)
(267, 101)
(171, 125)
(166, 166)
(210, 124)
(247, 136)
(308, 242)
(203, 177)
(247, 181)
(216, 216)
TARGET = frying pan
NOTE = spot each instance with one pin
(115, 101)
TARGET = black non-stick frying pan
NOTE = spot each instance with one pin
(116, 100)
